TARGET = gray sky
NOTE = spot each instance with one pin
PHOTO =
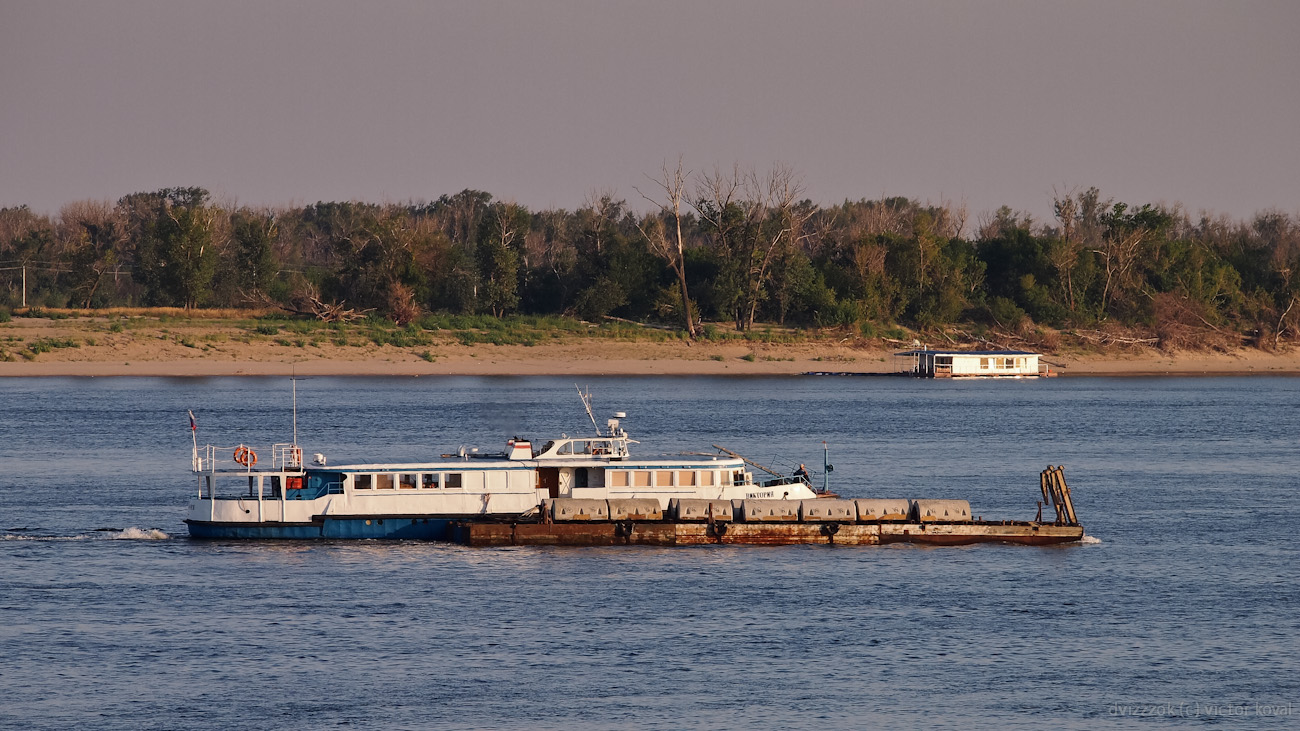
(993, 103)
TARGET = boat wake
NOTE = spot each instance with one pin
(131, 533)
(144, 534)
(1090, 540)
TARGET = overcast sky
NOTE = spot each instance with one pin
(992, 103)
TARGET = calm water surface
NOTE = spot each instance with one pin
(1187, 611)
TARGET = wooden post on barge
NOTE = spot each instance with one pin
(1050, 493)
(1064, 490)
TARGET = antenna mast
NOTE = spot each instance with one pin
(586, 404)
(294, 380)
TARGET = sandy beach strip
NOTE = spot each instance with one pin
(585, 358)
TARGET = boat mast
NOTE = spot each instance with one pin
(294, 380)
(586, 404)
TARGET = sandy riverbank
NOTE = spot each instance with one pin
(93, 347)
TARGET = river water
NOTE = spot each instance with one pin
(1182, 607)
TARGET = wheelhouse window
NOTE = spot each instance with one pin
(429, 481)
(453, 480)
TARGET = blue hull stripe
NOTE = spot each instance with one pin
(429, 529)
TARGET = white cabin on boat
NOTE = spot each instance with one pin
(925, 363)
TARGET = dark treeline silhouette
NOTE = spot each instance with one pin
(735, 247)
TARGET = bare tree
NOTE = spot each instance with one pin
(753, 219)
(666, 243)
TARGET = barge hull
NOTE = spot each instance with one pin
(668, 533)
(961, 534)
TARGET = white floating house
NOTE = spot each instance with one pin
(926, 363)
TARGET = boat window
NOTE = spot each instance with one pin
(618, 478)
(706, 478)
(663, 478)
(361, 482)
(686, 478)
(984, 363)
(641, 478)
(383, 482)
(406, 481)
(429, 481)
(453, 480)
(566, 448)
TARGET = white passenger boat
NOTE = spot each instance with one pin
(291, 499)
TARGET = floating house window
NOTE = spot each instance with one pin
(406, 481)
(984, 364)
(618, 478)
(383, 482)
(686, 479)
(362, 482)
(453, 480)
(641, 478)
(429, 481)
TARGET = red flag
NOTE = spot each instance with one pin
(194, 425)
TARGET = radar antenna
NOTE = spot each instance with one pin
(586, 404)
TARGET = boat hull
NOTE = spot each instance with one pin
(420, 528)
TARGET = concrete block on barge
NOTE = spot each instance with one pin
(768, 511)
(570, 509)
(698, 510)
(827, 510)
(635, 509)
(883, 509)
(930, 511)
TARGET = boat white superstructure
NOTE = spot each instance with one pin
(290, 499)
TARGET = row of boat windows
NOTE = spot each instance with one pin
(617, 478)
(409, 481)
(670, 478)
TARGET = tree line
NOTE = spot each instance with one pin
(734, 246)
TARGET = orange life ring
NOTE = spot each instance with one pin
(245, 456)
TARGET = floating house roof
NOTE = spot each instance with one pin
(966, 352)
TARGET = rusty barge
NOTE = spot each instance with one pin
(824, 521)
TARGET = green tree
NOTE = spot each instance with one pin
(175, 256)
